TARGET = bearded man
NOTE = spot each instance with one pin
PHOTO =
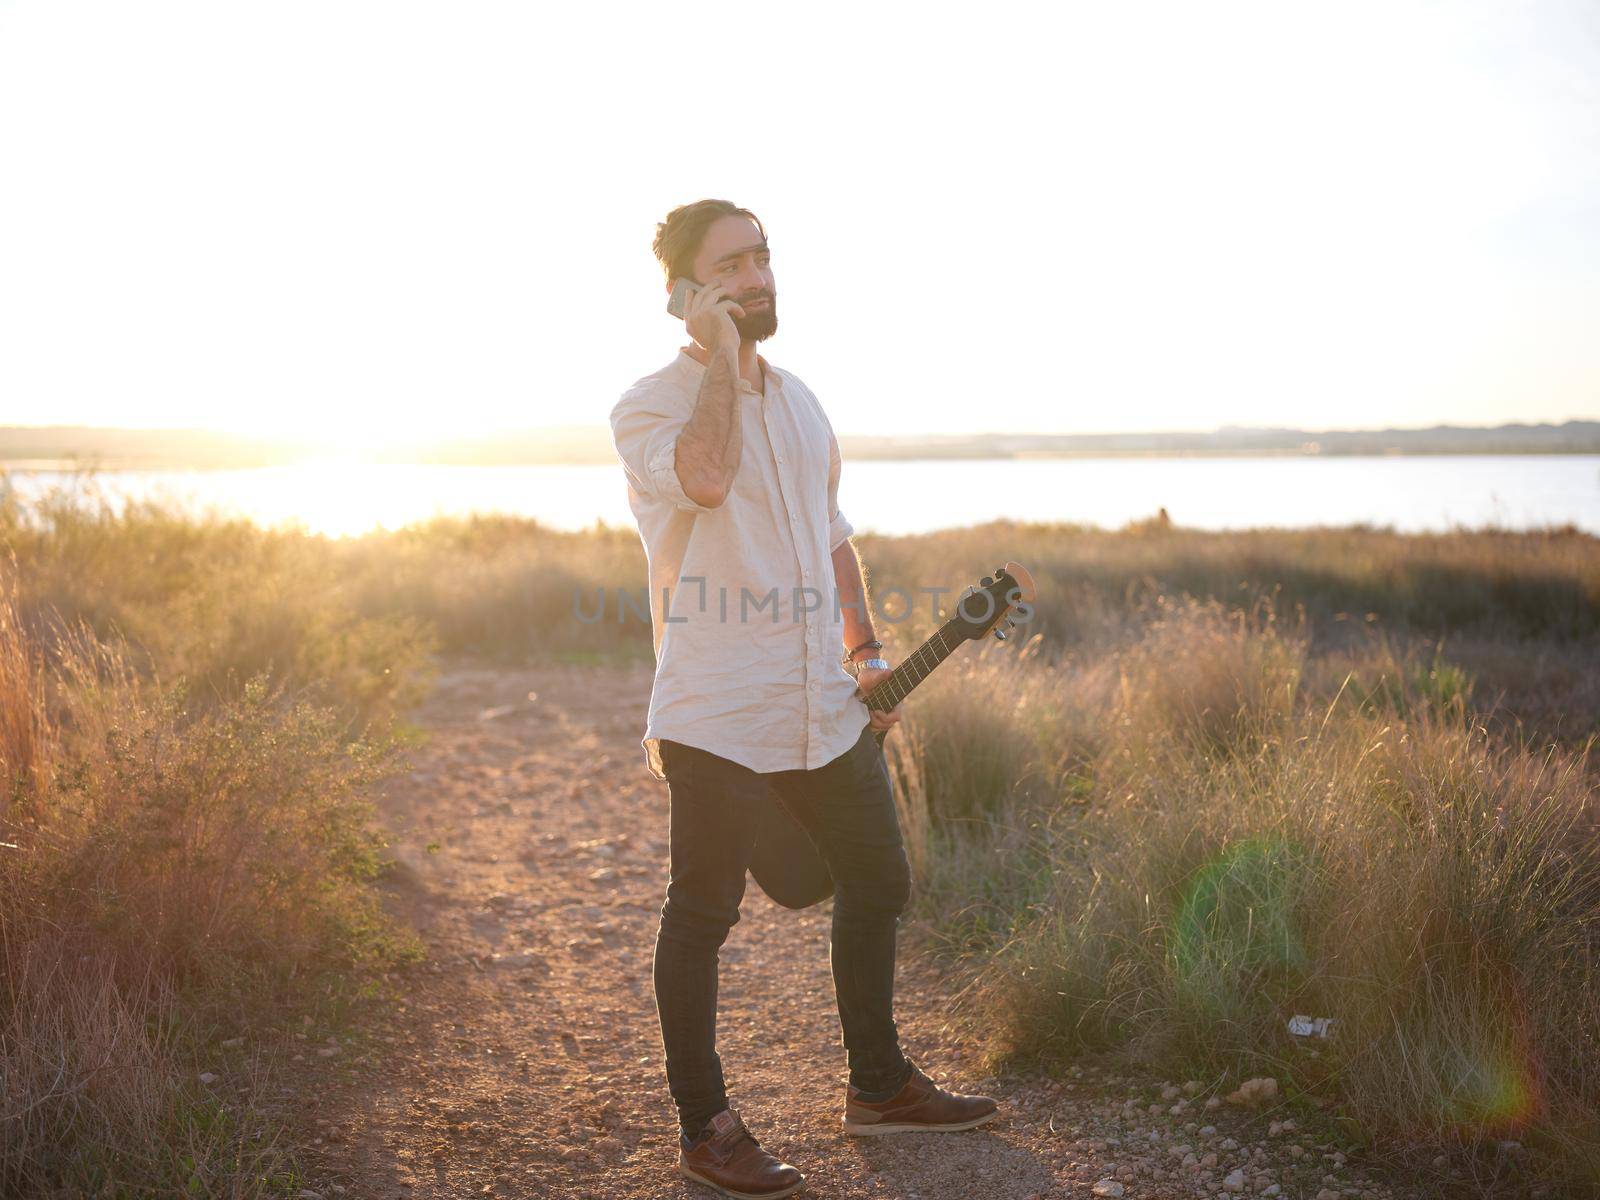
(759, 617)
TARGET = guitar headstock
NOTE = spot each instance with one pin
(999, 598)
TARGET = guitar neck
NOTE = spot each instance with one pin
(889, 692)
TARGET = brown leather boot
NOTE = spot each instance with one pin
(727, 1156)
(920, 1105)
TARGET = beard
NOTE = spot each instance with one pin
(761, 324)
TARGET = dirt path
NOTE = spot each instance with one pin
(526, 1060)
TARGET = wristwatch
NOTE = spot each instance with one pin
(874, 664)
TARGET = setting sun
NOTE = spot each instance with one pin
(1071, 218)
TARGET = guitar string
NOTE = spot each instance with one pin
(900, 684)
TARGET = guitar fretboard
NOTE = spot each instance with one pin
(911, 672)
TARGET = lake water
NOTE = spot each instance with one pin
(1410, 494)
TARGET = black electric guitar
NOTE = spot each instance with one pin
(786, 862)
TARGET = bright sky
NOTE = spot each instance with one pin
(390, 217)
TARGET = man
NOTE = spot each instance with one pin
(755, 595)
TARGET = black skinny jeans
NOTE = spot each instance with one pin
(847, 806)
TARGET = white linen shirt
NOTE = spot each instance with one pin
(743, 670)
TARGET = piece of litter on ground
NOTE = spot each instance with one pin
(1311, 1027)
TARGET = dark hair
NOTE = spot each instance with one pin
(678, 238)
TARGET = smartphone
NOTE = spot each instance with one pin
(678, 302)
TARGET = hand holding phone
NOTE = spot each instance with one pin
(708, 312)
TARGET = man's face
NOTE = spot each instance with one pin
(734, 255)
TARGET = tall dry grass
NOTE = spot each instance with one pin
(212, 600)
(1511, 585)
(218, 599)
(1209, 830)
(27, 732)
(170, 873)
(1231, 776)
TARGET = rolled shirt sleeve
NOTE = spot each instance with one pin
(644, 430)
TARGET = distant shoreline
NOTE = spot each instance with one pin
(71, 448)
(68, 465)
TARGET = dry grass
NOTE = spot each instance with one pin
(1245, 834)
(1230, 777)
(169, 874)
(1510, 585)
(27, 734)
(101, 1095)
(210, 600)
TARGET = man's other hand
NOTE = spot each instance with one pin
(865, 682)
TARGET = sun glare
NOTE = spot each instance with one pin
(1253, 214)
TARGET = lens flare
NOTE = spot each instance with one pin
(1491, 1079)
(1236, 923)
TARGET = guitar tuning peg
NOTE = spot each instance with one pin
(999, 635)
(1011, 622)
(988, 581)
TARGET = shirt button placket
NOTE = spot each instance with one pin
(813, 677)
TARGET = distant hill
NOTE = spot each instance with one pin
(1570, 437)
(25, 446)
